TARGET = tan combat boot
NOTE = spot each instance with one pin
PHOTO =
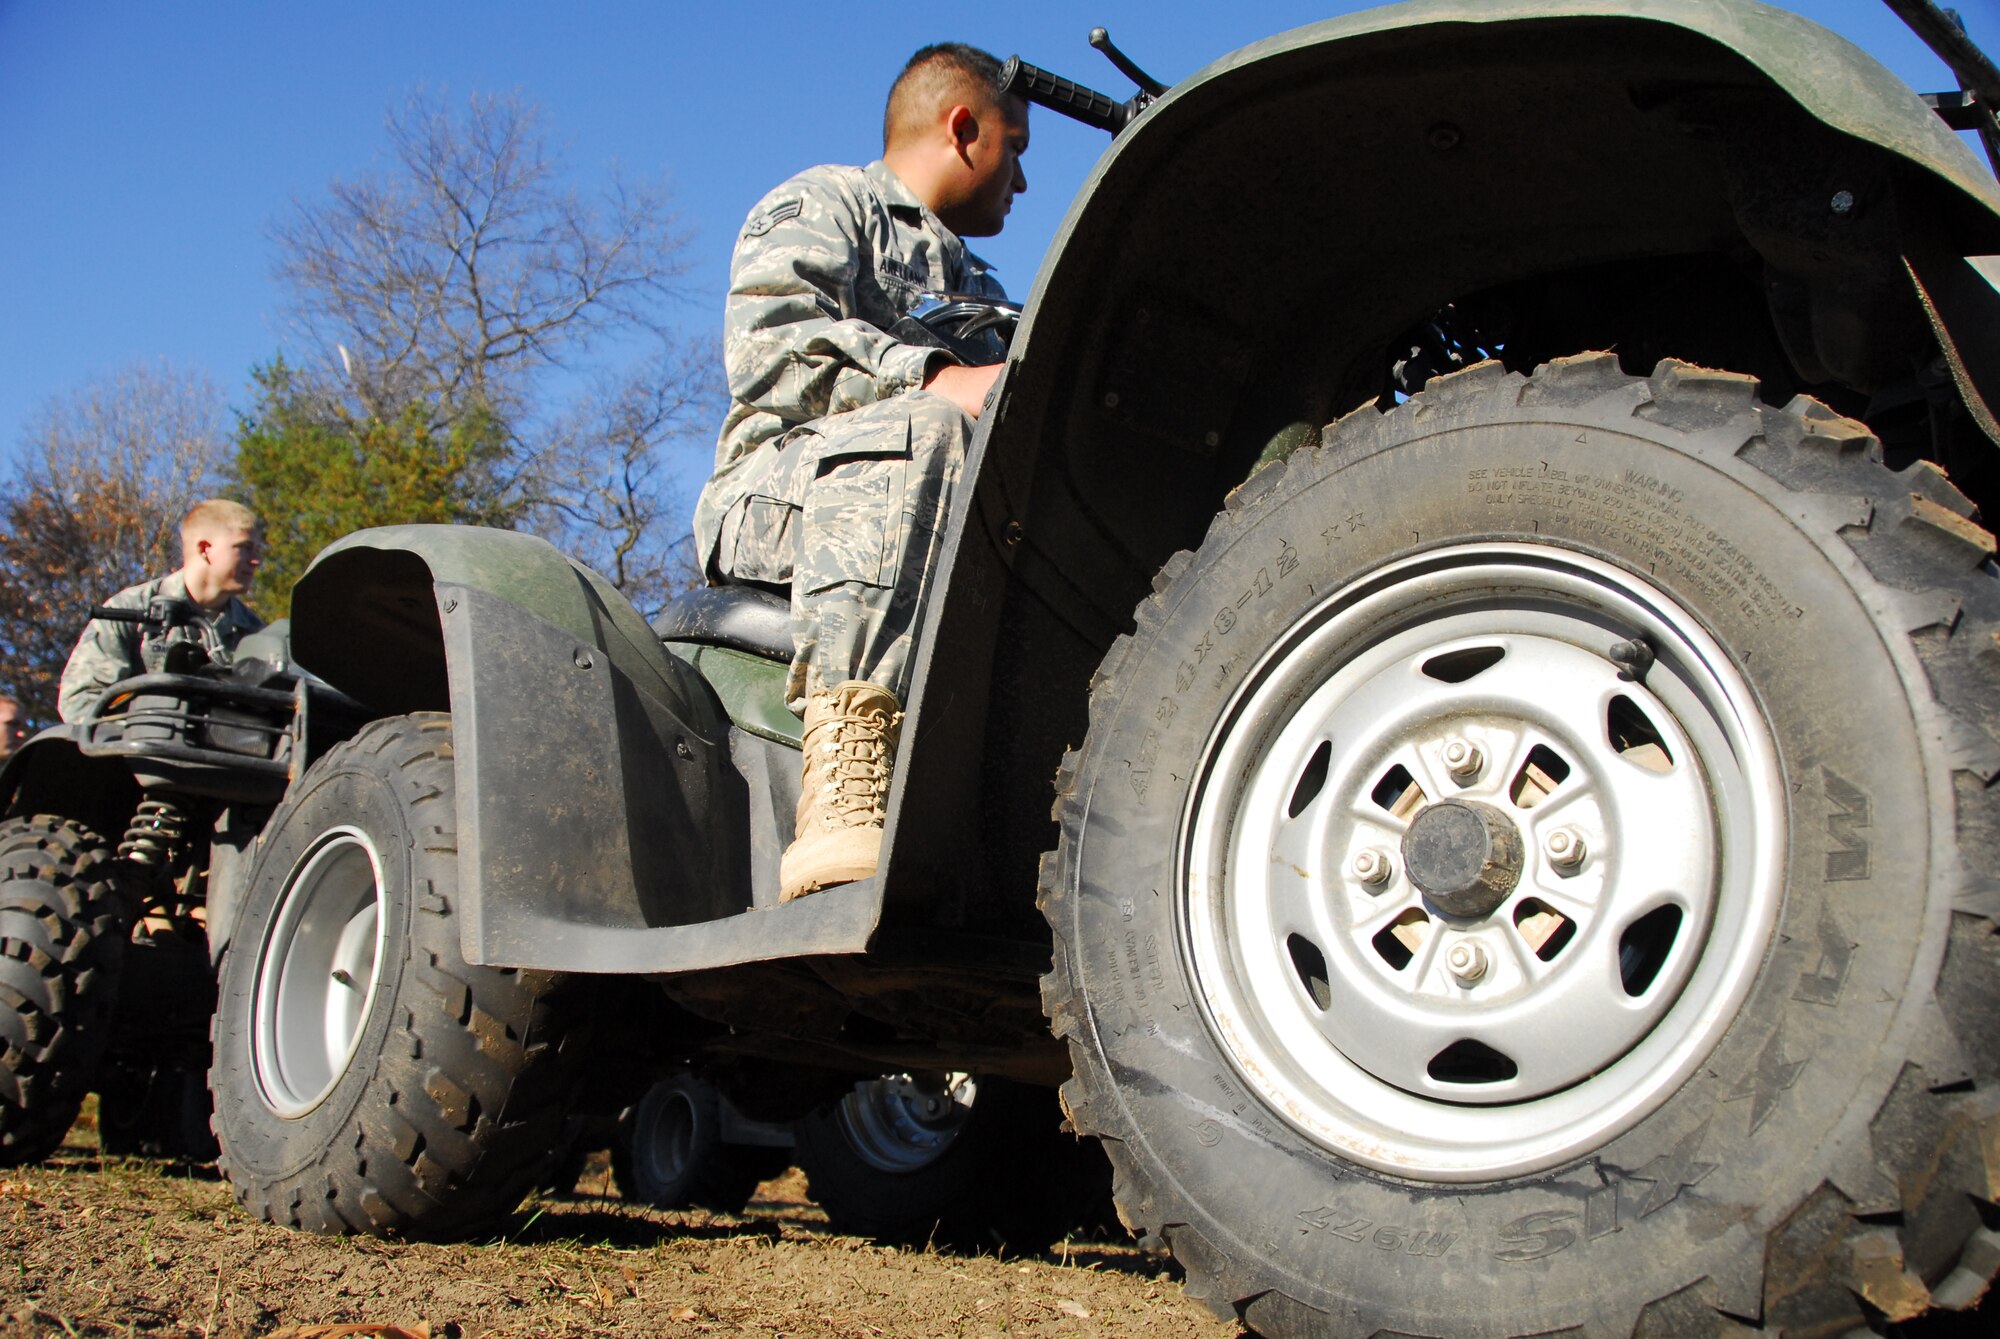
(850, 749)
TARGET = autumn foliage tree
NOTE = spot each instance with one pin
(315, 471)
(105, 476)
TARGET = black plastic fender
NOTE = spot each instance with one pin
(601, 820)
(50, 774)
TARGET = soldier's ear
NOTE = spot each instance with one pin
(963, 125)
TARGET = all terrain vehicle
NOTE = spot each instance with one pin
(1480, 528)
(112, 830)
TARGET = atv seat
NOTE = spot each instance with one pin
(756, 619)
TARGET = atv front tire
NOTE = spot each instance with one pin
(63, 923)
(1532, 869)
(366, 1078)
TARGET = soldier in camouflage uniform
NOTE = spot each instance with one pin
(837, 460)
(220, 552)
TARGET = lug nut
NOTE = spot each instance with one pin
(1467, 961)
(1463, 759)
(1564, 848)
(1371, 866)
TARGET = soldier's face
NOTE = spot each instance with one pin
(996, 176)
(234, 556)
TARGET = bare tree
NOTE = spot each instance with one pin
(107, 473)
(470, 265)
(609, 484)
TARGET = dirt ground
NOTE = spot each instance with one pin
(102, 1247)
(92, 1247)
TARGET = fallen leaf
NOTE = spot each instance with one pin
(421, 1330)
(685, 1313)
(1077, 1309)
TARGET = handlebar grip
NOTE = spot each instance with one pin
(1060, 95)
(110, 615)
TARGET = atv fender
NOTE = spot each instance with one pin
(601, 824)
(50, 774)
(1395, 159)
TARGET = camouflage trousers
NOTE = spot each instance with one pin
(850, 511)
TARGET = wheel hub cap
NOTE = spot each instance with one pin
(1464, 856)
(316, 972)
(905, 1122)
(1461, 897)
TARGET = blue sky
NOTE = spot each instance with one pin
(145, 148)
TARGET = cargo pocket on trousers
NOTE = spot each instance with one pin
(854, 530)
(767, 540)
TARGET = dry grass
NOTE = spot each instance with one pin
(101, 1248)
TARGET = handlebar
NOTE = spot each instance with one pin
(160, 612)
(1074, 100)
(973, 328)
(1061, 95)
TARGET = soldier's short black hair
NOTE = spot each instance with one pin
(939, 75)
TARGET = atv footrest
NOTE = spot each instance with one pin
(839, 920)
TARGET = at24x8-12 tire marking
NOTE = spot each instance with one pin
(1141, 767)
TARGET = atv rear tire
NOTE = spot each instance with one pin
(1706, 1025)
(670, 1152)
(366, 1078)
(63, 923)
(972, 1163)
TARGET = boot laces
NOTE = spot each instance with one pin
(854, 782)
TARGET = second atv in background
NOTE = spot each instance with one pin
(120, 835)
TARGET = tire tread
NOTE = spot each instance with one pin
(63, 921)
(481, 1057)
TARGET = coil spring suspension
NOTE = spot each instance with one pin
(154, 833)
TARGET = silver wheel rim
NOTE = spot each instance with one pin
(316, 972)
(905, 1122)
(1516, 1037)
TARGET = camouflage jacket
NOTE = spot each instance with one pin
(108, 652)
(824, 267)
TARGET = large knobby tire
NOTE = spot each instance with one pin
(1683, 711)
(366, 1078)
(63, 924)
(670, 1152)
(972, 1163)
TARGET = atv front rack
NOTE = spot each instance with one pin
(159, 721)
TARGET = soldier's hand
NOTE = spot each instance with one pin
(965, 387)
